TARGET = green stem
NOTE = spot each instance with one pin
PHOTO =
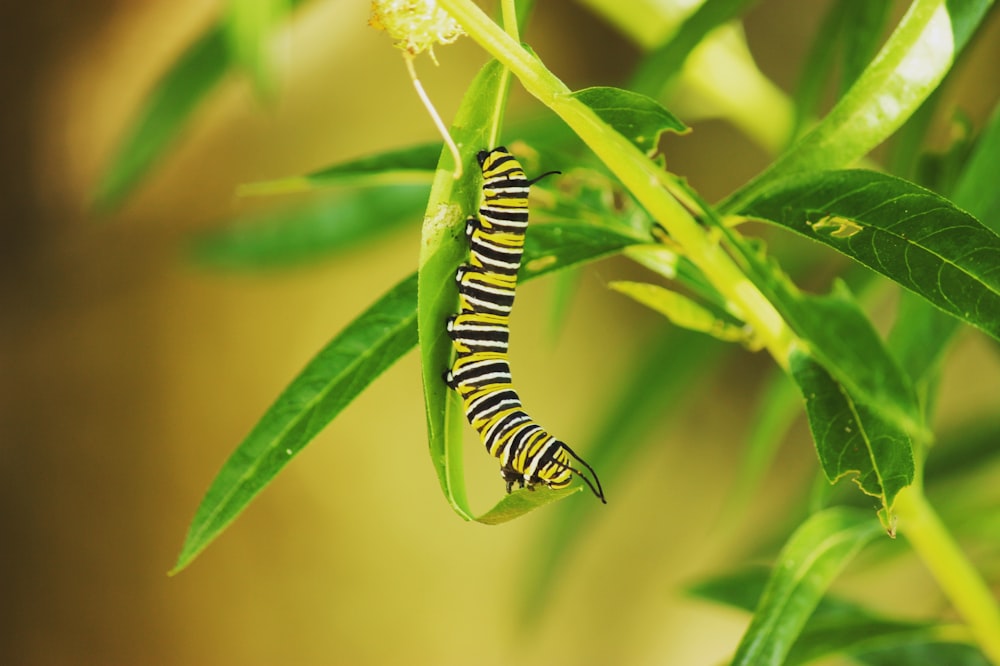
(959, 580)
(639, 174)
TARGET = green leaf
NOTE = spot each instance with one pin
(673, 266)
(841, 338)
(332, 379)
(852, 437)
(442, 249)
(547, 248)
(810, 560)
(667, 60)
(249, 25)
(906, 233)
(681, 310)
(665, 372)
(818, 65)
(163, 115)
(312, 231)
(906, 71)
(849, 380)
(337, 375)
(778, 406)
(638, 118)
(918, 340)
(520, 502)
(976, 190)
(864, 21)
(841, 627)
(414, 164)
(557, 245)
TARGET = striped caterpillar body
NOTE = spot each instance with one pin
(481, 373)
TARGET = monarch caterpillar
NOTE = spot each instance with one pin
(481, 373)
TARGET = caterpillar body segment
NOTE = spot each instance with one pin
(481, 375)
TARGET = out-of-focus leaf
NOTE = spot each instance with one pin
(940, 171)
(414, 164)
(817, 65)
(666, 371)
(865, 21)
(249, 25)
(638, 118)
(842, 627)
(918, 341)
(928, 653)
(810, 560)
(163, 115)
(962, 451)
(976, 190)
(906, 233)
(906, 71)
(331, 380)
(778, 405)
(666, 61)
(312, 231)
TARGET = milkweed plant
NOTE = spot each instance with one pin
(920, 225)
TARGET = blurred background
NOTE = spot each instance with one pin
(128, 374)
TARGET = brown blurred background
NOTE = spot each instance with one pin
(127, 375)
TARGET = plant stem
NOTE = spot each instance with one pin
(637, 172)
(961, 583)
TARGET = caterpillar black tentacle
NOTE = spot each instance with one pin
(481, 374)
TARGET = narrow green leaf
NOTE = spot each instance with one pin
(522, 501)
(906, 233)
(928, 653)
(667, 60)
(414, 164)
(442, 249)
(976, 190)
(852, 438)
(818, 65)
(673, 266)
(311, 231)
(163, 115)
(918, 341)
(813, 556)
(865, 20)
(906, 71)
(557, 245)
(638, 118)
(331, 380)
(337, 375)
(665, 371)
(778, 406)
(681, 310)
(841, 627)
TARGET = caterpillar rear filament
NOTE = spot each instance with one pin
(481, 373)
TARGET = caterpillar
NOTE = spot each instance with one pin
(480, 374)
